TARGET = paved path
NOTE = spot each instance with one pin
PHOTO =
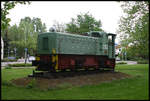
(3, 64)
(6, 63)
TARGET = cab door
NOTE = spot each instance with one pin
(111, 45)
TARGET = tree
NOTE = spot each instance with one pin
(59, 27)
(25, 35)
(39, 27)
(84, 23)
(134, 28)
(7, 5)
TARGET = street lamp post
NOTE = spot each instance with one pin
(8, 51)
(122, 56)
(125, 56)
(26, 55)
(25, 46)
(15, 49)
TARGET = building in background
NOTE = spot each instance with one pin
(118, 51)
(121, 52)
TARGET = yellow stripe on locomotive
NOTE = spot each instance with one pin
(54, 59)
(37, 58)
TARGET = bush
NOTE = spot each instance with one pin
(20, 65)
(9, 60)
(142, 62)
(122, 63)
(7, 67)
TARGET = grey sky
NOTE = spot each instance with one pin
(109, 12)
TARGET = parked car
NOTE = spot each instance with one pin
(31, 58)
(11, 58)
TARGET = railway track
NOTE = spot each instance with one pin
(63, 74)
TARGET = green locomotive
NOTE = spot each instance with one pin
(60, 51)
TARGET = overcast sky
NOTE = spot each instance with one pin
(109, 12)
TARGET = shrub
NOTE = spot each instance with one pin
(122, 63)
(20, 65)
(142, 62)
(9, 60)
(7, 67)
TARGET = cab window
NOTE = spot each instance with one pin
(96, 34)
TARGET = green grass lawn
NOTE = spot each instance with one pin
(135, 88)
